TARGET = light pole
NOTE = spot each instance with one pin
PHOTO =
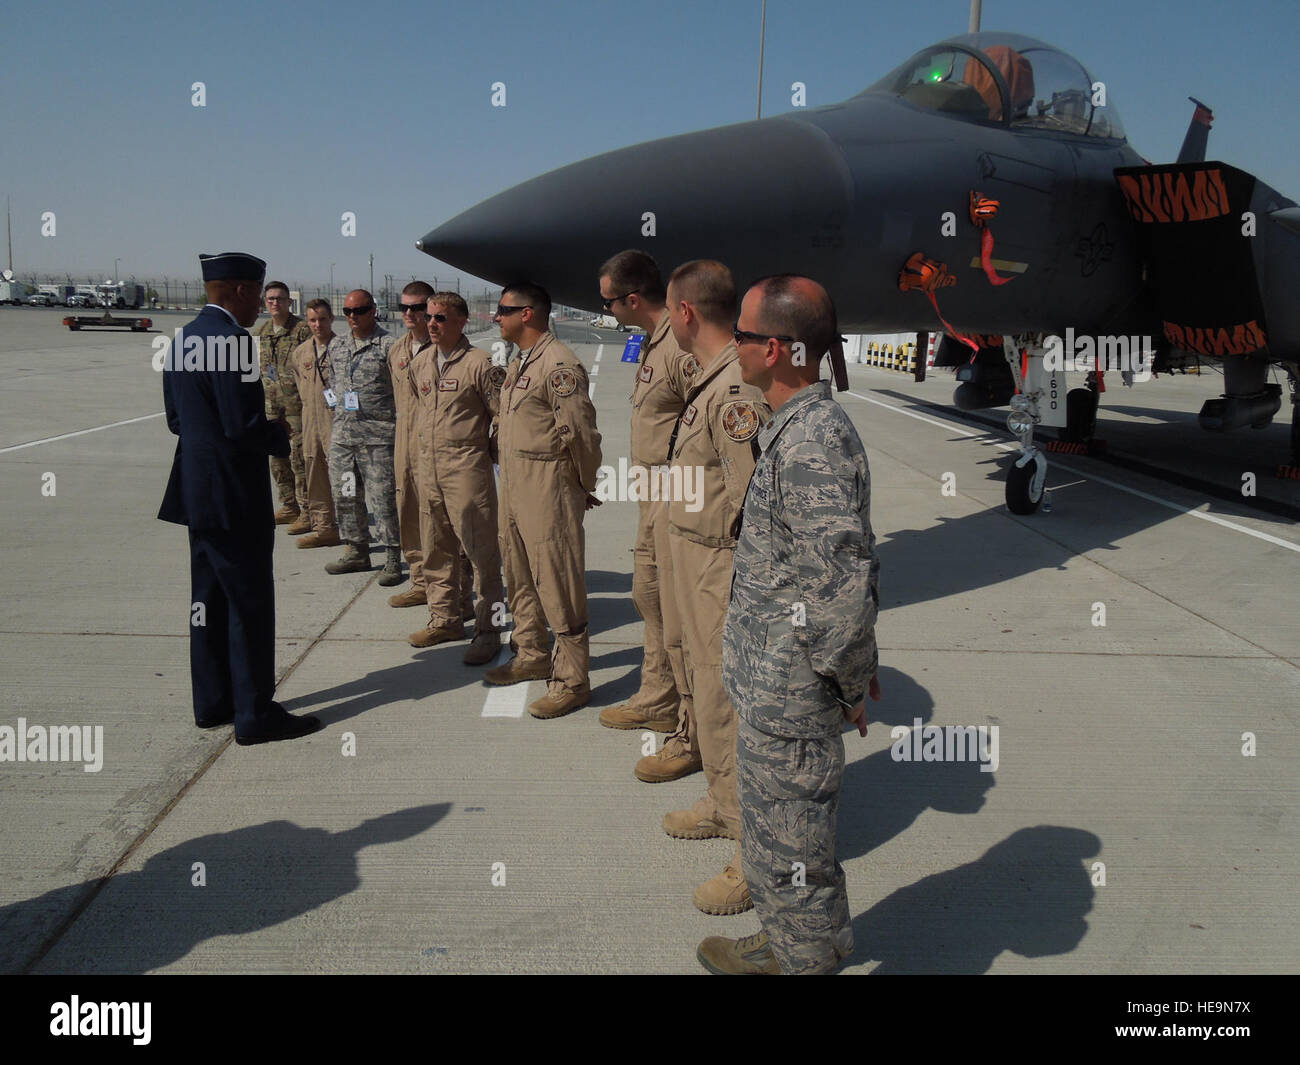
(331, 284)
(115, 262)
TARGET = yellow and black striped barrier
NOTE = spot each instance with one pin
(901, 359)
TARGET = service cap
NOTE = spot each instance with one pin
(232, 266)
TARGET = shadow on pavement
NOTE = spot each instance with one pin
(1027, 894)
(256, 877)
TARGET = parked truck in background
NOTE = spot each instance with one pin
(58, 293)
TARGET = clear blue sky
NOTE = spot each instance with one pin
(384, 109)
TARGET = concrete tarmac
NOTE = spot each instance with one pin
(1141, 818)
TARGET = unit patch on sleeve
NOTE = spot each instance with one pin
(497, 377)
(740, 420)
(564, 381)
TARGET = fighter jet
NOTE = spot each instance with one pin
(984, 189)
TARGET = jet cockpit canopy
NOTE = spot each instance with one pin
(1006, 79)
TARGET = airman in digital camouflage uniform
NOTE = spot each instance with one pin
(632, 290)
(278, 337)
(799, 647)
(361, 440)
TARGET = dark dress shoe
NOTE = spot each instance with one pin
(289, 728)
(216, 722)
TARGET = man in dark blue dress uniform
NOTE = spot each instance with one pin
(219, 488)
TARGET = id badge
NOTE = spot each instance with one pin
(331, 399)
(350, 401)
(270, 372)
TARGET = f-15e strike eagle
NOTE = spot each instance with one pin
(984, 189)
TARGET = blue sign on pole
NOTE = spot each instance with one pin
(632, 349)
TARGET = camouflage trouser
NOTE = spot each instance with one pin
(290, 475)
(789, 801)
(368, 468)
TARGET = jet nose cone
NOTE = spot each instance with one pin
(763, 197)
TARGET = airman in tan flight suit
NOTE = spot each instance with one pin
(714, 443)
(632, 290)
(455, 393)
(311, 370)
(550, 454)
(416, 339)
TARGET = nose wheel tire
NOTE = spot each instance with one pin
(1025, 487)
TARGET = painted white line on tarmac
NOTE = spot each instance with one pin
(600, 348)
(80, 432)
(1052, 464)
(1182, 509)
(595, 369)
(508, 701)
(899, 410)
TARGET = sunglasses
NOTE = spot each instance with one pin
(439, 318)
(741, 335)
(503, 310)
(608, 303)
(350, 311)
(413, 308)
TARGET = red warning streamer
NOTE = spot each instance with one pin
(927, 275)
(982, 211)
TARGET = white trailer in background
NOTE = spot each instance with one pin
(14, 292)
(59, 293)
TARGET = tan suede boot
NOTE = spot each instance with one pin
(750, 956)
(513, 672)
(432, 635)
(483, 648)
(320, 539)
(413, 596)
(558, 705)
(726, 894)
(629, 716)
(671, 762)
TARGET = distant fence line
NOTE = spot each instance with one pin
(186, 293)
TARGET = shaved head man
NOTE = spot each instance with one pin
(799, 644)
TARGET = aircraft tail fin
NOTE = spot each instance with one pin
(1198, 134)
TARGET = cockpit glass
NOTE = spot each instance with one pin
(948, 80)
(1035, 86)
(1065, 99)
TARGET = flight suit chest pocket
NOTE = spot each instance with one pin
(519, 391)
(691, 447)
